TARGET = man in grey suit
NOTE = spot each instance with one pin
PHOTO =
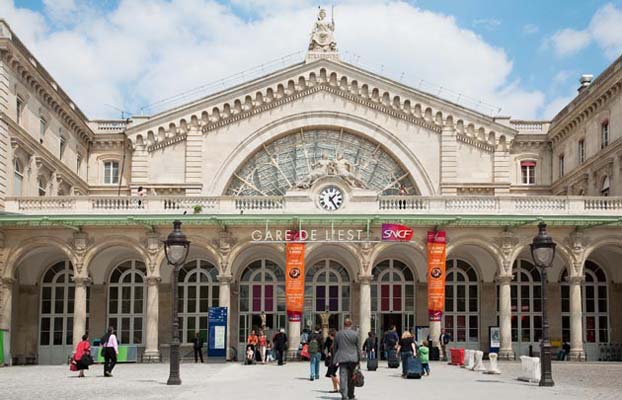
(347, 356)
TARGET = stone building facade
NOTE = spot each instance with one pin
(320, 145)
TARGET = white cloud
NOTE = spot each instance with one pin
(556, 105)
(490, 24)
(146, 50)
(605, 29)
(562, 76)
(530, 29)
(569, 41)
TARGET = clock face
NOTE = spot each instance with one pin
(331, 198)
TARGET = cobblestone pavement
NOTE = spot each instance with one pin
(235, 381)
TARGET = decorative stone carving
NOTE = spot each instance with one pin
(153, 280)
(505, 279)
(322, 36)
(80, 242)
(507, 243)
(365, 252)
(577, 242)
(338, 167)
(81, 281)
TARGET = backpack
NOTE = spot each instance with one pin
(104, 340)
(314, 345)
(390, 339)
(304, 338)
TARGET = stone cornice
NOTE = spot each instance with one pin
(588, 102)
(290, 84)
(34, 76)
(168, 142)
(22, 138)
(475, 143)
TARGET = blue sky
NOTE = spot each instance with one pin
(524, 57)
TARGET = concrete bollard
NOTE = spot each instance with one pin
(493, 368)
(469, 359)
(530, 369)
(479, 361)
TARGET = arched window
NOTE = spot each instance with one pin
(262, 293)
(526, 302)
(462, 301)
(126, 301)
(57, 299)
(198, 291)
(18, 178)
(392, 296)
(595, 305)
(327, 289)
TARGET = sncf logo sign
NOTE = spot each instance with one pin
(396, 232)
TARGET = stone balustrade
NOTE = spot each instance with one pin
(411, 205)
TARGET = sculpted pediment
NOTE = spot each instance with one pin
(339, 79)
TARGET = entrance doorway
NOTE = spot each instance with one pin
(390, 319)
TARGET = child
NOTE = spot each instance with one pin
(269, 356)
(423, 352)
(250, 355)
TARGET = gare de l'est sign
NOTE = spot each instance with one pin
(390, 232)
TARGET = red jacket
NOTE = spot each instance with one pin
(83, 347)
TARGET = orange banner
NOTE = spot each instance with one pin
(294, 280)
(437, 243)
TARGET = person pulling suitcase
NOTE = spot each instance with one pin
(370, 347)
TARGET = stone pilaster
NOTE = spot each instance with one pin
(224, 300)
(79, 307)
(449, 161)
(6, 308)
(194, 157)
(576, 319)
(139, 165)
(505, 317)
(152, 350)
(365, 306)
(501, 169)
(5, 164)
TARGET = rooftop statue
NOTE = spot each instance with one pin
(322, 36)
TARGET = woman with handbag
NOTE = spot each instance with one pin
(82, 357)
(331, 372)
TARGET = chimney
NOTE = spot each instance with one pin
(585, 81)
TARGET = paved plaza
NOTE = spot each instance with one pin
(235, 381)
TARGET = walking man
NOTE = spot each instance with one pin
(280, 343)
(444, 340)
(197, 344)
(110, 349)
(315, 353)
(347, 356)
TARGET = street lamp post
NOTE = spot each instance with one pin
(176, 248)
(543, 253)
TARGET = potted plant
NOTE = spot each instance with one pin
(197, 209)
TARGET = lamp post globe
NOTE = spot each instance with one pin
(176, 247)
(543, 254)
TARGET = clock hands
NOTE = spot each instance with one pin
(331, 200)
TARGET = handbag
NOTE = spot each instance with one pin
(86, 359)
(357, 377)
(327, 361)
(305, 352)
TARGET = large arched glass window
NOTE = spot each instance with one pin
(595, 305)
(126, 301)
(461, 301)
(327, 289)
(198, 291)
(57, 300)
(392, 296)
(262, 294)
(18, 178)
(526, 302)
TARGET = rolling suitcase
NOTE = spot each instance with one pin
(394, 361)
(414, 369)
(372, 364)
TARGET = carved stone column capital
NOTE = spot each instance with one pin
(576, 280)
(7, 282)
(81, 281)
(365, 279)
(225, 279)
(153, 280)
(504, 279)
